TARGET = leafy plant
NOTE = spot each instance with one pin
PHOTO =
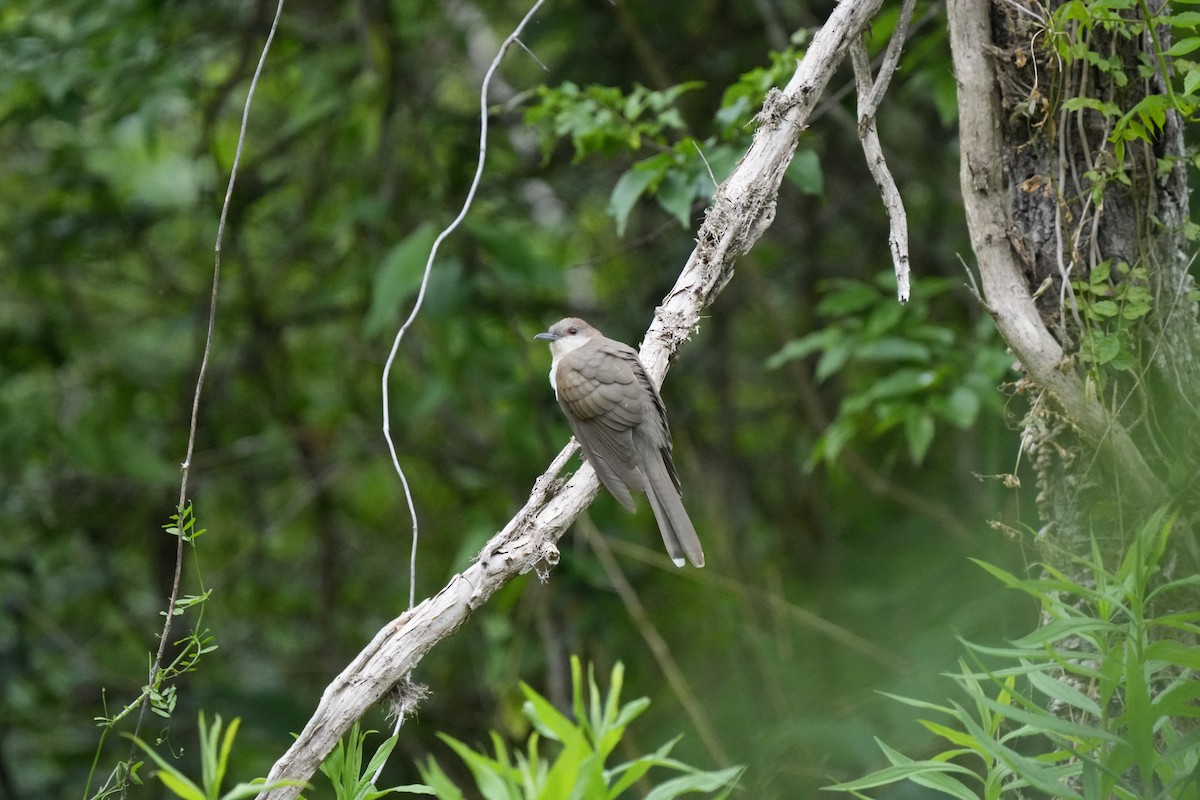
(159, 694)
(214, 761)
(1110, 306)
(1072, 26)
(1100, 702)
(583, 746)
(605, 120)
(900, 369)
(344, 767)
(683, 169)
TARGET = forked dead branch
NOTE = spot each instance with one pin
(742, 209)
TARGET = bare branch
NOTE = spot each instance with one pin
(743, 207)
(873, 150)
(887, 68)
(655, 642)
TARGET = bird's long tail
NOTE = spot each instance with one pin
(678, 533)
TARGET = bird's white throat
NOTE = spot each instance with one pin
(559, 348)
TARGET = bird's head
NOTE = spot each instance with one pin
(567, 335)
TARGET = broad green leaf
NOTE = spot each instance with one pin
(1139, 716)
(398, 278)
(893, 349)
(918, 430)
(181, 786)
(847, 297)
(438, 781)
(961, 407)
(630, 186)
(805, 172)
(676, 195)
(902, 382)
(799, 348)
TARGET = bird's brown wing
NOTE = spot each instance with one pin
(604, 399)
(652, 441)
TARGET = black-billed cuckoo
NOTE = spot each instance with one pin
(621, 424)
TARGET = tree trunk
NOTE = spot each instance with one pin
(1055, 202)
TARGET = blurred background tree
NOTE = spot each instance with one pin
(830, 441)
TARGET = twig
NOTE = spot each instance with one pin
(892, 202)
(462, 214)
(707, 166)
(655, 641)
(887, 67)
(803, 617)
(186, 466)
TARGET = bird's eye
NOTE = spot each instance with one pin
(572, 330)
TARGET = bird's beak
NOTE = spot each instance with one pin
(548, 336)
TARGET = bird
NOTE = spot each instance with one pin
(619, 420)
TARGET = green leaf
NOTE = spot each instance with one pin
(904, 768)
(893, 348)
(902, 382)
(630, 186)
(438, 781)
(398, 278)
(181, 786)
(847, 297)
(1063, 692)
(1191, 80)
(836, 353)
(1175, 653)
(1105, 347)
(676, 194)
(493, 780)
(1184, 46)
(697, 781)
(951, 735)
(799, 348)
(172, 778)
(1035, 774)
(961, 407)
(805, 172)
(918, 430)
(1139, 717)
(549, 721)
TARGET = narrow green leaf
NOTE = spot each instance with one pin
(951, 735)
(1139, 716)
(918, 430)
(226, 749)
(547, 719)
(697, 781)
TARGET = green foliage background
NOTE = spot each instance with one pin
(838, 504)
